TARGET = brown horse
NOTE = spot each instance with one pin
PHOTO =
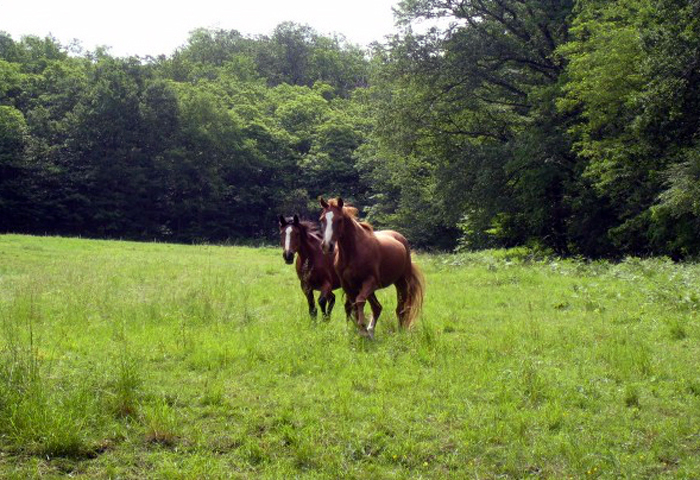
(314, 269)
(366, 261)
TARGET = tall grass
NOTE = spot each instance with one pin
(34, 417)
(134, 360)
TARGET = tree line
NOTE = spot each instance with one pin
(569, 125)
(204, 145)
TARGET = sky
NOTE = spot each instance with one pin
(154, 27)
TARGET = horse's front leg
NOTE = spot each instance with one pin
(326, 301)
(366, 292)
(376, 311)
(348, 308)
(309, 293)
(331, 302)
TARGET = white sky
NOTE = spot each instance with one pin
(153, 27)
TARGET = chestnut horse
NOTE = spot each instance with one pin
(314, 269)
(366, 261)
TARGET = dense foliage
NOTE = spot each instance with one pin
(209, 143)
(572, 125)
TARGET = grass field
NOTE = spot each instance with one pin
(133, 360)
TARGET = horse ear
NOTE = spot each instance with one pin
(340, 202)
(282, 221)
(296, 219)
(322, 201)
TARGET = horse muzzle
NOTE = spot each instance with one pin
(328, 248)
(288, 257)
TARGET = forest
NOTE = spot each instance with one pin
(570, 126)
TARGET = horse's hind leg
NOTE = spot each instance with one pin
(401, 298)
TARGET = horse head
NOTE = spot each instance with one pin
(332, 222)
(290, 237)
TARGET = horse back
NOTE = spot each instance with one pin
(395, 256)
(394, 234)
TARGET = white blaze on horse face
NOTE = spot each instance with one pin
(328, 232)
(288, 238)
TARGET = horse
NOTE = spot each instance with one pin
(314, 269)
(366, 261)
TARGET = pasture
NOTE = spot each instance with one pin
(133, 360)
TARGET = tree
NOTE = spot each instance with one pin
(15, 203)
(196, 146)
(474, 105)
(633, 75)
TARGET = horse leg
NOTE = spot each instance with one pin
(348, 308)
(326, 301)
(376, 311)
(311, 301)
(401, 298)
(322, 303)
(331, 301)
(366, 291)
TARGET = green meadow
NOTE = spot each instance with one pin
(146, 360)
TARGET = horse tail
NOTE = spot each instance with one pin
(412, 301)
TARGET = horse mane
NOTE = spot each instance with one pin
(310, 229)
(351, 212)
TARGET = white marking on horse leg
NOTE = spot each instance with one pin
(328, 232)
(287, 239)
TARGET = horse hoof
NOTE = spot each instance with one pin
(367, 333)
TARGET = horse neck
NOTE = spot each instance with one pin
(353, 236)
(309, 246)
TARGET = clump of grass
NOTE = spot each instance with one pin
(694, 387)
(678, 329)
(253, 453)
(534, 387)
(57, 429)
(631, 396)
(213, 395)
(124, 387)
(36, 415)
(161, 423)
